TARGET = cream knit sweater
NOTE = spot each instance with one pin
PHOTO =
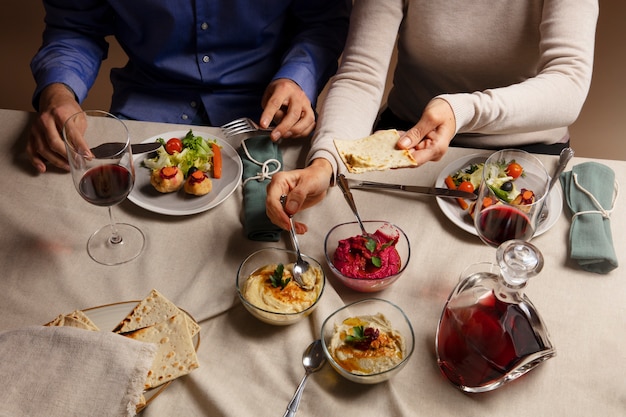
(514, 71)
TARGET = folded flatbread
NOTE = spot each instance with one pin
(377, 152)
(176, 355)
(151, 310)
(76, 319)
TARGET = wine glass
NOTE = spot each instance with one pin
(103, 176)
(509, 204)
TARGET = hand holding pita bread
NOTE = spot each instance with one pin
(430, 138)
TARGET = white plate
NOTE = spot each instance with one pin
(107, 317)
(461, 218)
(181, 203)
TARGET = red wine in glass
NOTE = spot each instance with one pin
(500, 223)
(106, 185)
(481, 343)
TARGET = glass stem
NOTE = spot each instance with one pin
(116, 238)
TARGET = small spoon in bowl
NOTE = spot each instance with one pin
(313, 360)
(300, 266)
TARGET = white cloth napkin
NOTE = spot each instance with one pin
(64, 371)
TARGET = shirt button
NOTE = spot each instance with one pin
(205, 59)
(184, 117)
(193, 104)
(204, 26)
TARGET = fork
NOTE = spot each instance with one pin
(240, 126)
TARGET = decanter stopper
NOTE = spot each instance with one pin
(518, 261)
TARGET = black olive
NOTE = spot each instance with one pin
(191, 170)
(507, 186)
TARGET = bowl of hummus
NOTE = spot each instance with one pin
(368, 341)
(367, 263)
(266, 287)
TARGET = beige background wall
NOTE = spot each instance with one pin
(599, 132)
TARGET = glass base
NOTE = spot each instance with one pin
(103, 249)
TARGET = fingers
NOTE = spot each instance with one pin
(286, 104)
(45, 145)
(430, 138)
(303, 188)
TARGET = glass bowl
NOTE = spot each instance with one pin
(266, 313)
(348, 230)
(368, 307)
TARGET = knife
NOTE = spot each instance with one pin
(441, 192)
(107, 149)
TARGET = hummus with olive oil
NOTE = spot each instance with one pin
(382, 354)
(259, 291)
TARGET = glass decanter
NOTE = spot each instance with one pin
(489, 332)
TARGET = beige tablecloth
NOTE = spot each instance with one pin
(252, 369)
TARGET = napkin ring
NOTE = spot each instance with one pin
(264, 173)
(606, 213)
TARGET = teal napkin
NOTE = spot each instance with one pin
(590, 191)
(261, 159)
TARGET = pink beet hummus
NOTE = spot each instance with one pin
(366, 257)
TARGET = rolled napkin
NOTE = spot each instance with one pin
(261, 159)
(65, 371)
(590, 190)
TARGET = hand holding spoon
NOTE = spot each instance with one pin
(300, 266)
(312, 359)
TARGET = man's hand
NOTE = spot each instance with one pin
(287, 105)
(45, 143)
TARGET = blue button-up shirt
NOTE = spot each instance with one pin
(187, 57)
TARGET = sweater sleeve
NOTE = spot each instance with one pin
(552, 98)
(355, 95)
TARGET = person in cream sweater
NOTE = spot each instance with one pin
(485, 74)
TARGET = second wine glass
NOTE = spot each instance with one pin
(511, 196)
(104, 178)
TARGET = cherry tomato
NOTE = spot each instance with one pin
(174, 145)
(514, 170)
(466, 186)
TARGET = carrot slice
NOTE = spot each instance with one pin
(451, 185)
(217, 160)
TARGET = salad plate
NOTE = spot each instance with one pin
(108, 316)
(179, 203)
(462, 219)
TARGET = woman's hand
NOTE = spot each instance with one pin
(430, 138)
(303, 188)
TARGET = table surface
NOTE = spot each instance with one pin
(251, 368)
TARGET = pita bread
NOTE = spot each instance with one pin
(153, 309)
(176, 355)
(376, 152)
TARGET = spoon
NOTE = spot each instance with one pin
(564, 158)
(345, 188)
(312, 359)
(300, 266)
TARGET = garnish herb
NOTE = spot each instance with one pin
(371, 244)
(277, 277)
(362, 337)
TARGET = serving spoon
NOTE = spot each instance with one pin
(342, 181)
(300, 266)
(313, 360)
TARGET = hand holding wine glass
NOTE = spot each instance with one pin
(511, 196)
(105, 180)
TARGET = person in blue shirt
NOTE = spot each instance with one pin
(191, 62)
